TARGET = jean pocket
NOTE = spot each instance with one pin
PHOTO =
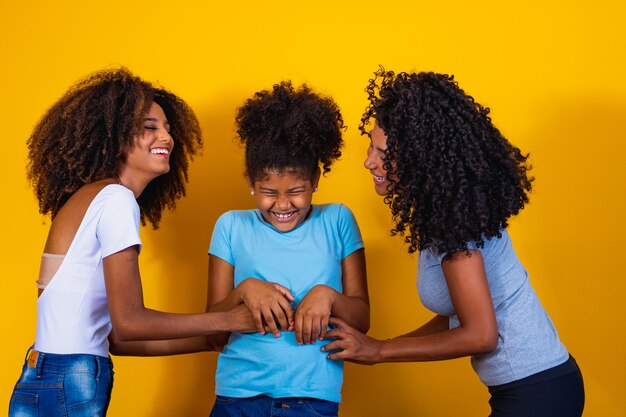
(321, 408)
(79, 389)
(24, 404)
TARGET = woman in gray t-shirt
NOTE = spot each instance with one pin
(452, 181)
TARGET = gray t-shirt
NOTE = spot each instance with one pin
(527, 340)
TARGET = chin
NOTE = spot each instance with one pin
(381, 190)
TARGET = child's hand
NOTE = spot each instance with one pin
(312, 314)
(268, 302)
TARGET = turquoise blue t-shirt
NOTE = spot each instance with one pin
(311, 254)
(527, 340)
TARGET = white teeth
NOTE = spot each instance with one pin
(283, 216)
(161, 151)
(378, 178)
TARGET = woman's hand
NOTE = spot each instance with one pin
(269, 304)
(352, 345)
(313, 313)
(241, 319)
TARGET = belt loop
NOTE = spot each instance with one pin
(28, 353)
(40, 359)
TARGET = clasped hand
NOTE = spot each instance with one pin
(271, 310)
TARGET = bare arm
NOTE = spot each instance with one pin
(163, 347)
(477, 333)
(132, 321)
(268, 302)
(436, 325)
(314, 311)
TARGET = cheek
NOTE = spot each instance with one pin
(304, 202)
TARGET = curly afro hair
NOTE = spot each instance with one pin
(454, 178)
(287, 129)
(84, 137)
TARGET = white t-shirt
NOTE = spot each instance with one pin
(73, 314)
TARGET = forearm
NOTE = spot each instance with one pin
(353, 310)
(448, 344)
(146, 324)
(436, 325)
(231, 301)
(160, 347)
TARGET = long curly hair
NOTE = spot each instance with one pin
(85, 135)
(289, 129)
(454, 178)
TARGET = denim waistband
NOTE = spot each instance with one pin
(62, 363)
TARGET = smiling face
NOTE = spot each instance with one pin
(284, 198)
(375, 159)
(149, 156)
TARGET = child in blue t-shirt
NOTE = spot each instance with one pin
(292, 263)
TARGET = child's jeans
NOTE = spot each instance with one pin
(264, 406)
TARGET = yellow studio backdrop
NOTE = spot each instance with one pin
(552, 72)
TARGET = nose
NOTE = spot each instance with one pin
(283, 203)
(369, 162)
(166, 136)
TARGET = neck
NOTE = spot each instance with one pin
(133, 182)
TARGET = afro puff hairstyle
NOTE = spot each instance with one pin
(288, 129)
(454, 178)
(85, 135)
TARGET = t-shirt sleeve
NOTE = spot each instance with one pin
(471, 245)
(221, 238)
(118, 226)
(349, 231)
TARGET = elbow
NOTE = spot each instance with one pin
(486, 343)
(362, 327)
(115, 349)
(364, 322)
(124, 331)
(116, 346)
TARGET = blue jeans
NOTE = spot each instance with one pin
(55, 385)
(264, 406)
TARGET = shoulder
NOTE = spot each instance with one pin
(117, 197)
(233, 218)
(334, 210)
(236, 215)
(498, 242)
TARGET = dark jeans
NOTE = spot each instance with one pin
(558, 391)
(264, 406)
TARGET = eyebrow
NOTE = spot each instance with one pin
(154, 119)
(297, 188)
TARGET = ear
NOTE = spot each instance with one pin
(250, 185)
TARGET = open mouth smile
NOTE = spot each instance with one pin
(283, 217)
(160, 151)
(379, 179)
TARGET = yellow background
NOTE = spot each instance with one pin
(553, 73)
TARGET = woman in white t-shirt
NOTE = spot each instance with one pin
(111, 153)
